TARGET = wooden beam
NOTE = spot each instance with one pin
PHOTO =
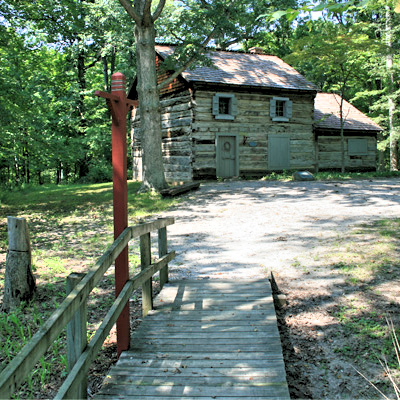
(16, 371)
(173, 191)
(82, 365)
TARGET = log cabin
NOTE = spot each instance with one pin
(249, 114)
(360, 134)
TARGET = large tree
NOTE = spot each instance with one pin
(61, 51)
(333, 56)
(194, 26)
(378, 93)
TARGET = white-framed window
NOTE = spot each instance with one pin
(357, 147)
(280, 109)
(224, 106)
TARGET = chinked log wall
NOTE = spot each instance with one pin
(189, 132)
(177, 115)
(253, 124)
(329, 154)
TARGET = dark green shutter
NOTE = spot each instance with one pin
(234, 108)
(215, 105)
(272, 108)
(288, 109)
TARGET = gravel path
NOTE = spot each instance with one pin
(247, 228)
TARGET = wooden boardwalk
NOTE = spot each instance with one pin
(206, 339)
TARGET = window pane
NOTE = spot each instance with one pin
(280, 108)
(224, 103)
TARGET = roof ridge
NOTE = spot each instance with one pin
(232, 51)
(244, 69)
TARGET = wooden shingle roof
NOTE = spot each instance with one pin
(327, 114)
(243, 69)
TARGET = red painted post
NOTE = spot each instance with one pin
(119, 107)
(120, 199)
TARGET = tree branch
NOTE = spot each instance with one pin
(159, 9)
(238, 39)
(147, 12)
(93, 63)
(130, 10)
(205, 4)
(202, 47)
(188, 63)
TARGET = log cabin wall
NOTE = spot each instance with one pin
(253, 126)
(177, 115)
(190, 131)
(250, 115)
(329, 152)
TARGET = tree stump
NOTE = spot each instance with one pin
(19, 282)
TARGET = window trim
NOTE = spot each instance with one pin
(232, 106)
(287, 109)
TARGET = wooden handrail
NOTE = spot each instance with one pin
(16, 371)
(142, 228)
(82, 365)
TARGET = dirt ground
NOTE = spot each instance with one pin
(298, 232)
(252, 228)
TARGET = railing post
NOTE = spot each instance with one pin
(145, 261)
(120, 200)
(162, 251)
(77, 335)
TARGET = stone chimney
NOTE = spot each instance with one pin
(256, 50)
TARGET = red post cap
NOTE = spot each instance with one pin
(118, 82)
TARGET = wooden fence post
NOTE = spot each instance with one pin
(145, 261)
(77, 334)
(119, 107)
(19, 282)
(162, 251)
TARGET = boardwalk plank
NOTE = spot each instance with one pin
(184, 370)
(204, 340)
(270, 391)
(160, 397)
(198, 380)
(271, 363)
(237, 356)
(210, 332)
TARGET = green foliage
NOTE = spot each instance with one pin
(99, 173)
(60, 201)
(16, 329)
(55, 54)
(333, 175)
(70, 226)
(370, 333)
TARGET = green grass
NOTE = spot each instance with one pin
(368, 258)
(62, 200)
(72, 207)
(369, 335)
(16, 330)
(70, 227)
(286, 176)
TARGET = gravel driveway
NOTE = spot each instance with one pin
(247, 228)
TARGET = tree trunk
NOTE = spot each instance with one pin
(19, 282)
(113, 59)
(381, 154)
(342, 164)
(394, 155)
(105, 74)
(149, 107)
(82, 162)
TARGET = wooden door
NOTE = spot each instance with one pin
(278, 152)
(227, 161)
